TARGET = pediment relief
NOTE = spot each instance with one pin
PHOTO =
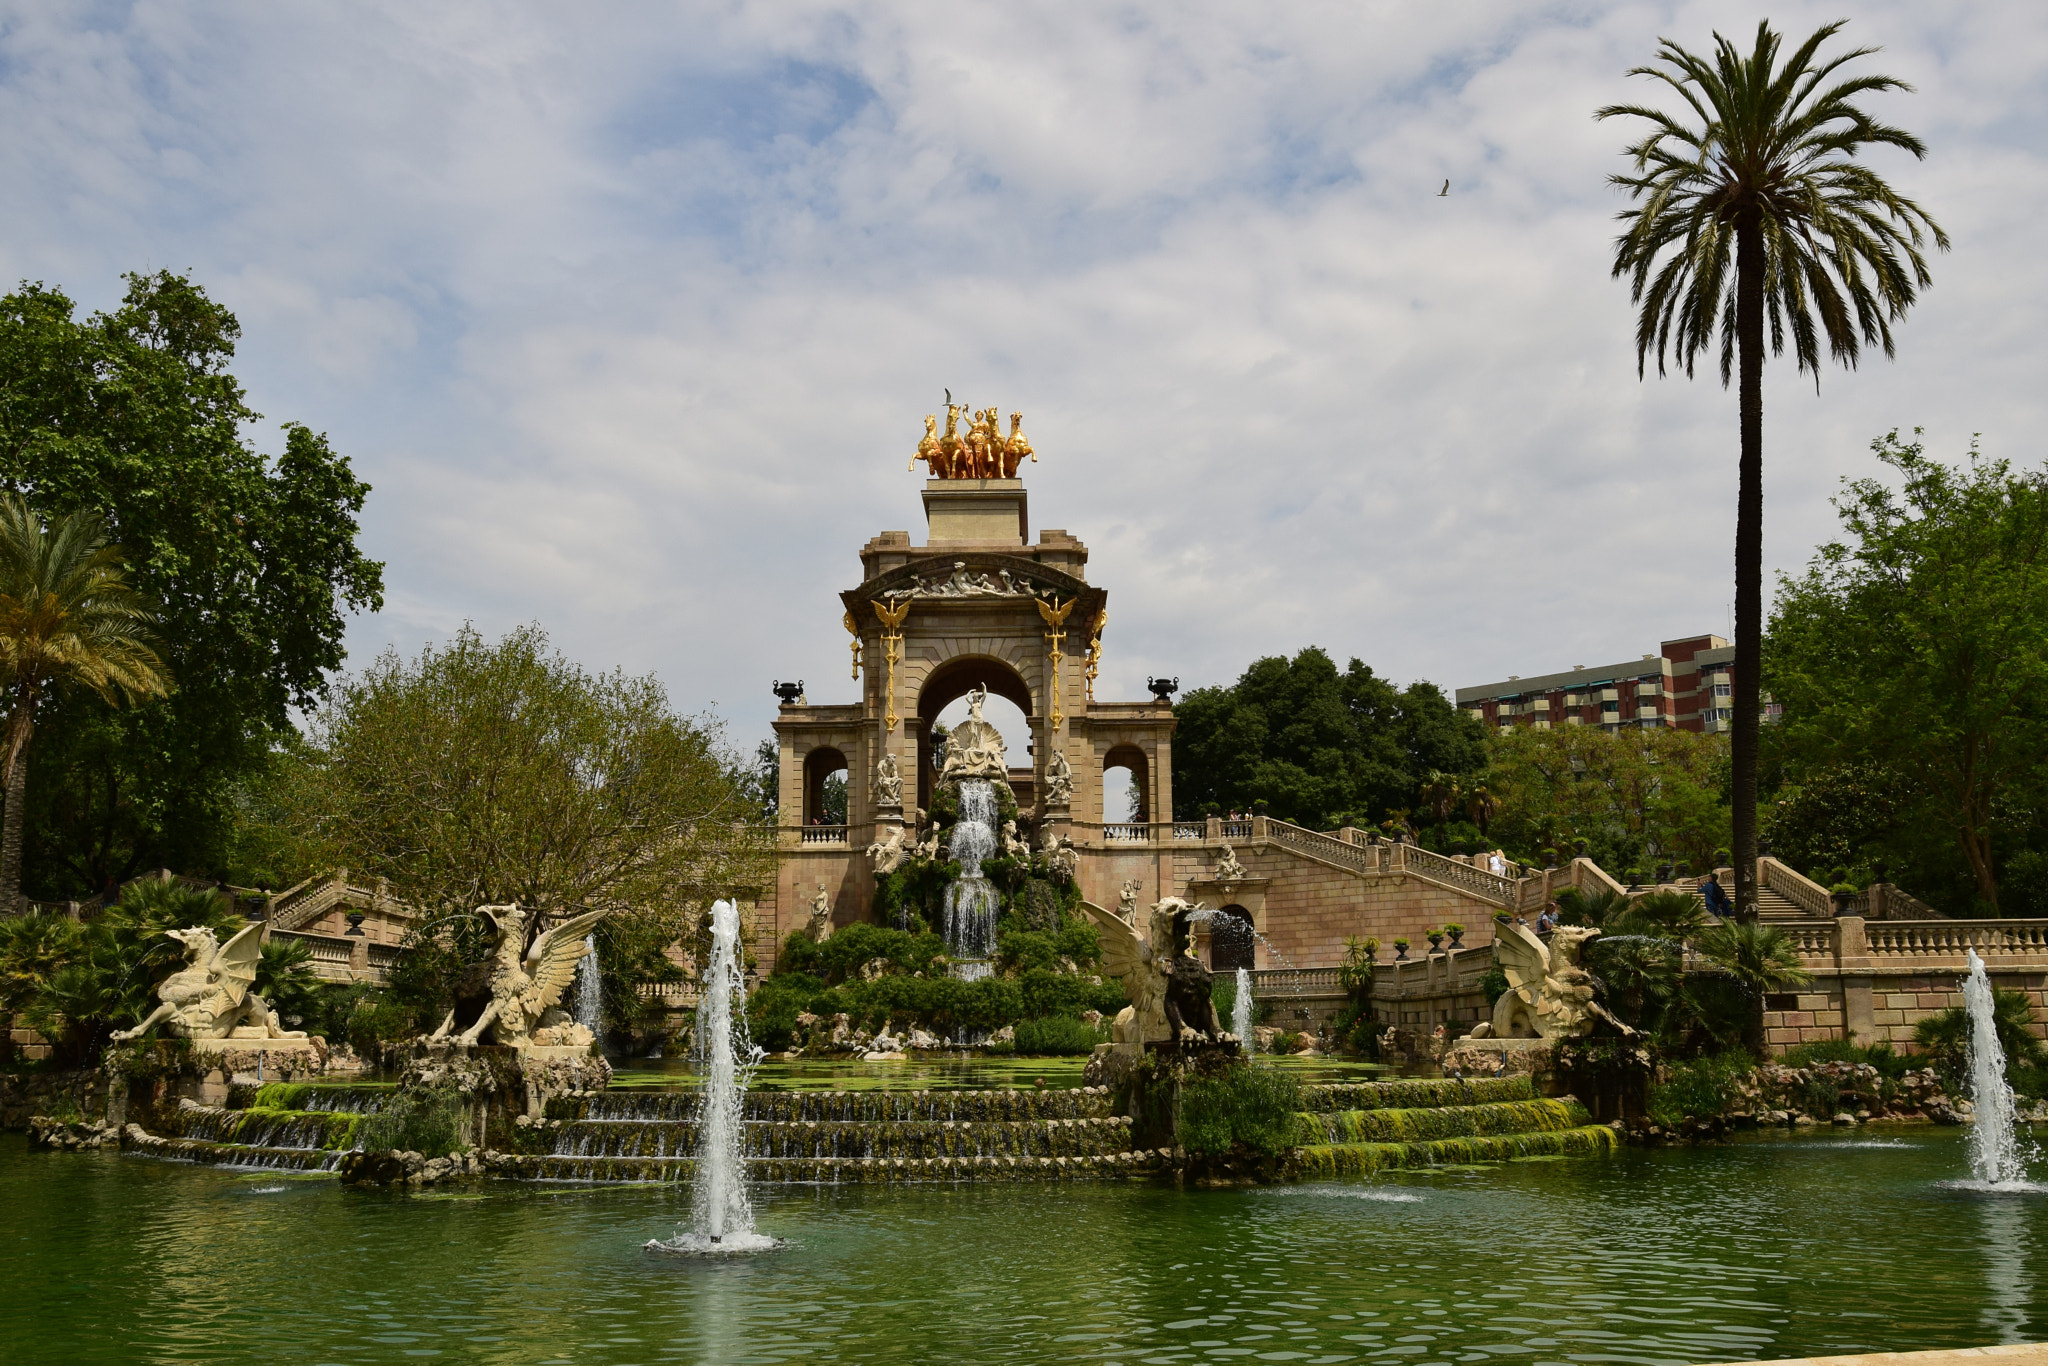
(970, 577)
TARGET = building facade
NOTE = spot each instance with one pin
(1686, 685)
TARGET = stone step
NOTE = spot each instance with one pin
(1417, 1093)
(1363, 1159)
(1085, 1102)
(230, 1154)
(1452, 1121)
(820, 1138)
(840, 1170)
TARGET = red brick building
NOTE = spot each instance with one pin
(1686, 684)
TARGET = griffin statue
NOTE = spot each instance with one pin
(519, 991)
(1169, 990)
(209, 998)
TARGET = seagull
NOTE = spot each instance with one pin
(1445, 190)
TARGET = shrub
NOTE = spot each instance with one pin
(1946, 1037)
(375, 1023)
(1879, 1055)
(425, 1120)
(1248, 1105)
(1058, 1036)
(1704, 1088)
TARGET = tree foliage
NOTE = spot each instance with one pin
(134, 416)
(480, 773)
(1912, 662)
(1636, 797)
(1318, 747)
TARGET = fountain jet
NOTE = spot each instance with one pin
(1996, 1158)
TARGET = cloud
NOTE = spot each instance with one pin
(630, 324)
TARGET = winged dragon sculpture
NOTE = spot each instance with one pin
(1168, 990)
(210, 997)
(524, 988)
(1549, 995)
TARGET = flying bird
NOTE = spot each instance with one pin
(1445, 190)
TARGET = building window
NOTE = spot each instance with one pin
(1723, 689)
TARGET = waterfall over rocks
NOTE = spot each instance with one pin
(972, 904)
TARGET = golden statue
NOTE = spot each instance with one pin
(949, 445)
(981, 451)
(928, 449)
(1016, 447)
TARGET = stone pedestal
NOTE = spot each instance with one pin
(976, 512)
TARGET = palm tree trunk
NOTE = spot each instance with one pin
(14, 779)
(1749, 555)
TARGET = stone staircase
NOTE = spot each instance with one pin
(281, 1126)
(1362, 1128)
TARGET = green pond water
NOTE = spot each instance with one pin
(1759, 1249)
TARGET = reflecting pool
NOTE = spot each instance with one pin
(1764, 1248)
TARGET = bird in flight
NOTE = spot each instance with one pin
(1445, 190)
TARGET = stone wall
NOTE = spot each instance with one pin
(41, 1091)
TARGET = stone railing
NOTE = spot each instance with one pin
(1183, 832)
(1128, 832)
(1236, 830)
(1295, 982)
(673, 995)
(1443, 868)
(1329, 848)
(1814, 939)
(1795, 887)
(823, 834)
(1954, 938)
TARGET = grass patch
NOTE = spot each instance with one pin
(1247, 1105)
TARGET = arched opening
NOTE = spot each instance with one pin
(1008, 709)
(1126, 793)
(824, 787)
(1231, 945)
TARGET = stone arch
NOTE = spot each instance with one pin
(1231, 948)
(948, 682)
(1129, 756)
(820, 764)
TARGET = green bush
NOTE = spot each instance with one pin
(1058, 1036)
(374, 1023)
(1703, 1088)
(1880, 1055)
(1945, 1037)
(426, 1120)
(1248, 1105)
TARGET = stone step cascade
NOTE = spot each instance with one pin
(275, 1127)
(1358, 1129)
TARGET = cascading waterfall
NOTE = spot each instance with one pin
(1995, 1155)
(1241, 1011)
(971, 903)
(590, 990)
(720, 1208)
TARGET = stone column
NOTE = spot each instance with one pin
(1852, 960)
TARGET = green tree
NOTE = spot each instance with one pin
(1632, 795)
(251, 559)
(1752, 206)
(1759, 958)
(1319, 747)
(482, 773)
(68, 618)
(1917, 646)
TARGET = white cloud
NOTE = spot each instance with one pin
(630, 324)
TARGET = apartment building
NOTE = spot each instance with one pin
(1686, 684)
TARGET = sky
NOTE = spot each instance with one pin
(631, 313)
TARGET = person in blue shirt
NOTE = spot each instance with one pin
(1717, 899)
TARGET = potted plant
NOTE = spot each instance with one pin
(1549, 859)
(1401, 950)
(1435, 937)
(1456, 932)
(1369, 949)
(1842, 893)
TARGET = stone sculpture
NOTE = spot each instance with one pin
(1168, 990)
(1013, 846)
(1549, 995)
(524, 985)
(1228, 869)
(974, 748)
(820, 926)
(209, 998)
(1059, 854)
(1127, 902)
(1059, 779)
(888, 782)
(887, 855)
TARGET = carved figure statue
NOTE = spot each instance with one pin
(1168, 989)
(1059, 779)
(888, 781)
(974, 748)
(209, 998)
(1017, 447)
(1059, 854)
(1228, 869)
(950, 449)
(524, 984)
(1127, 902)
(887, 855)
(820, 927)
(1549, 995)
(1013, 846)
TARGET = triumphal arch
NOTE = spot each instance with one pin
(980, 603)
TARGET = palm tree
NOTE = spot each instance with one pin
(1482, 806)
(1761, 959)
(1821, 246)
(67, 616)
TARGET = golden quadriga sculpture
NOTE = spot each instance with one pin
(210, 998)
